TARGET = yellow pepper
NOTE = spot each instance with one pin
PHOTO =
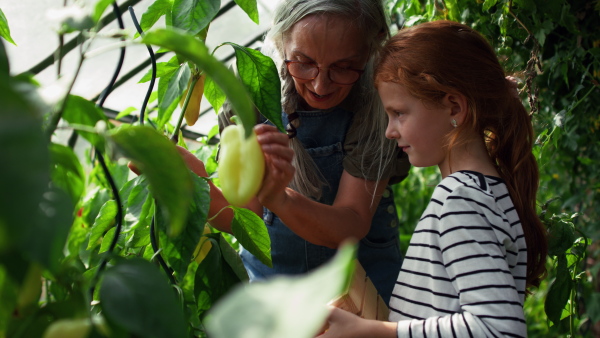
(241, 165)
(69, 328)
(192, 112)
(203, 247)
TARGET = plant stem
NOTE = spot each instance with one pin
(175, 135)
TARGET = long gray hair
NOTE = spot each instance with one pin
(369, 17)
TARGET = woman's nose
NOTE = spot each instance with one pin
(322, 82)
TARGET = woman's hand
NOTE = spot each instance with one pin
(278, 164)
(344, 324)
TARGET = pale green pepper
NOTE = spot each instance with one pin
(241, 165)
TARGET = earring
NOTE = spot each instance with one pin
(454, 123)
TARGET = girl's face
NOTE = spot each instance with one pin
(419, 130)
(325, 42)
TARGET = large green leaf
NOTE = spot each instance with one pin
(24, 170)
(179, 251)
(4, 29)
(67, 173)
(283, 306)
(81, 111)
(251, 231)
(259, 73)
(158, 159)
(194, 50)
(250, 7)
(135, 295)
(194, 15)
(170, 89)
(559, 291)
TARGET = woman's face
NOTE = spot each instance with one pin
(326, 42)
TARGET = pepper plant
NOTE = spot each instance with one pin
(88, 248)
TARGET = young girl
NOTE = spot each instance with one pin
(479, 243)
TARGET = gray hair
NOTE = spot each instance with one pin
(369, 17)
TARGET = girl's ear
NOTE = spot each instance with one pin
(458, 105)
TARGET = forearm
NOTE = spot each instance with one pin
(319, 223)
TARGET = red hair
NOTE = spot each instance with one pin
(440, 57)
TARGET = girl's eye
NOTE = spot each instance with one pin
(398, 113)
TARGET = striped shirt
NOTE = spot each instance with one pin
(464, 272)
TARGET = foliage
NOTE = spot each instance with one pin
(94, 233)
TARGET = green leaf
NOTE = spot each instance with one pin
(4, 29)
(259, 73)
(251, 231)
(4, 65)
(179, 251)
(162, 69)
(195, 51)
(453, 11)
(559, 291)
(81, 111)
(135, 295)
(233, 259)
(274, 308)
(214, 277)
(104, 221)
(170, 89)
(158, 159)
(194, 15)
(108, 238)
(125, 112)
(214, 95)
(92, 202)
(137, 205)
(8, 299)
(67, 173)
(250, 7)
(154, 12)
(593, 309)
(561, 236)
(47, 238)
(100, 8)
(489, 4)
(25, 167)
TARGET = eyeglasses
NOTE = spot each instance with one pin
(309, 71)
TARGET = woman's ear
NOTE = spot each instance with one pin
(458, 105)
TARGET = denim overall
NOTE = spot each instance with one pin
(322, 133)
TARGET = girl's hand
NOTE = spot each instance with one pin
(278, 167)
(343, 324)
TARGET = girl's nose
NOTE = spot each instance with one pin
(391, 132)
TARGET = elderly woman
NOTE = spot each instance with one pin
(330, 181)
